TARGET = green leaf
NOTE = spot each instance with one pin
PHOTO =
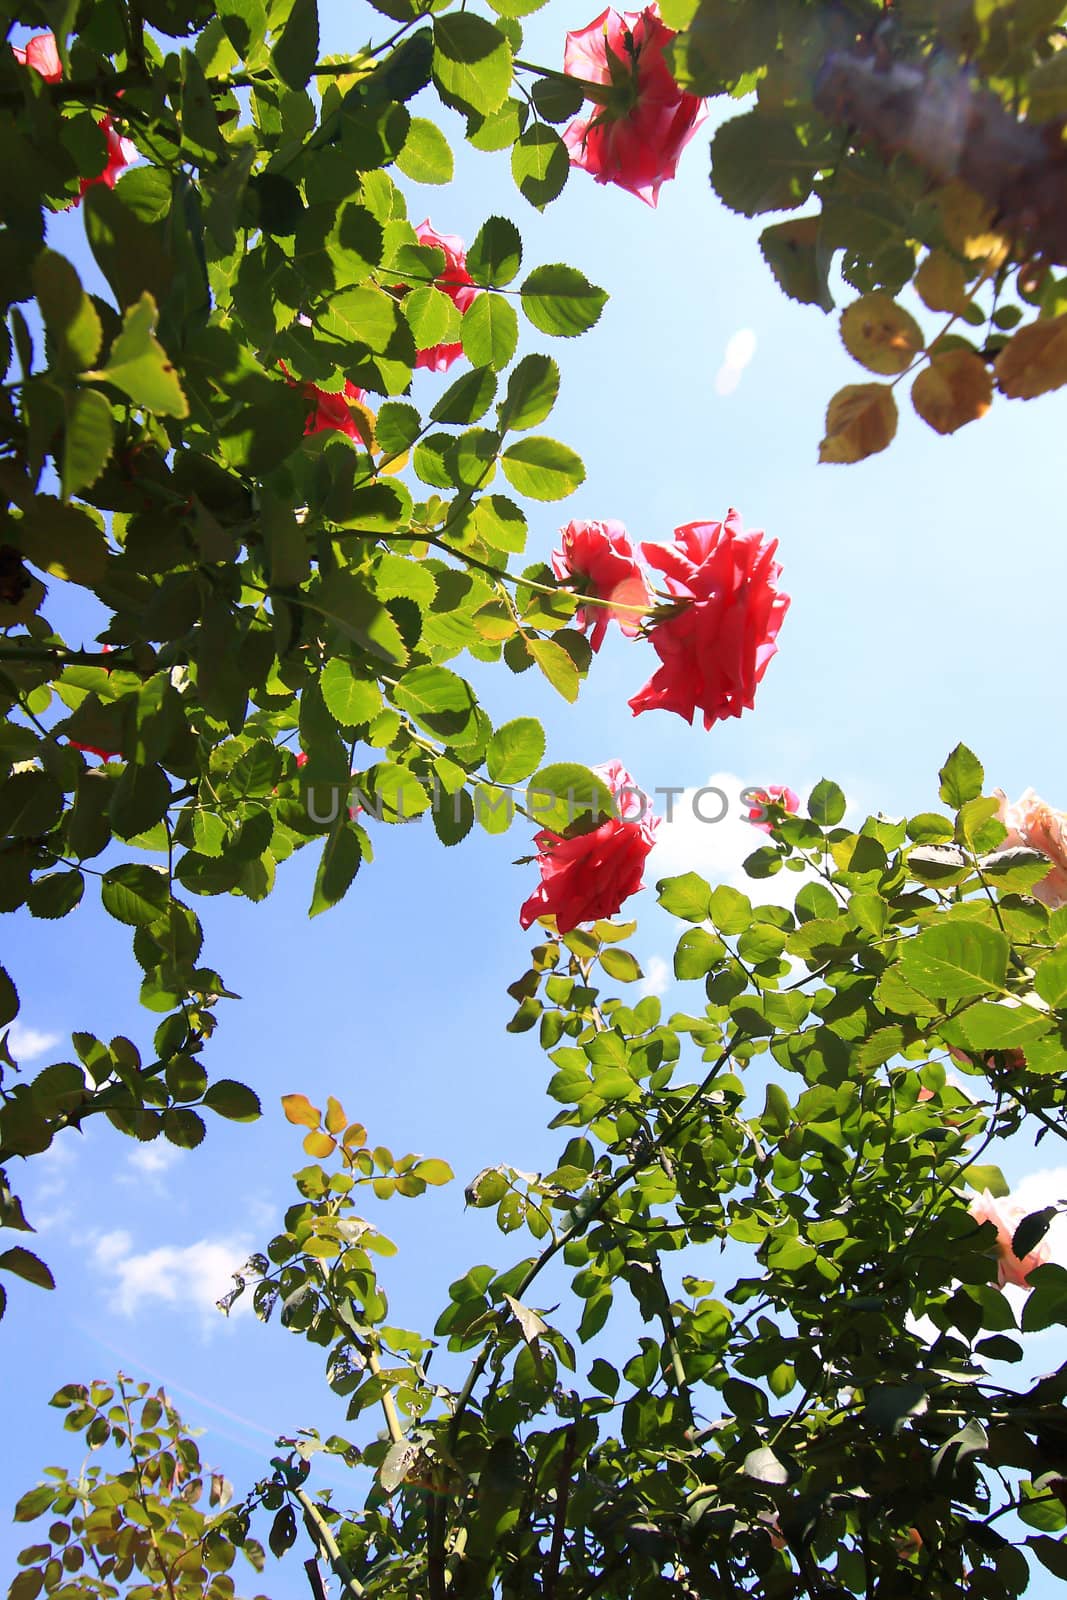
(540, 164)
(183, 1127)
(1052, 1553)
(360, 315)
(141, 798)
(134, 894)
(759, 164)
(961, 777)
(468, 399)
(1050, 979)
(351, 700)
(297, 50)
(686, 896)
(138, 365)
(763, 1464)
(621, 964)
(542, 468)
(55, 895)
(9, 998)
(791, 251)
(426, 156)
(889, 1405)
(955, 961)
(1031, 1230)
(233, 1100)
(35, 1503)
(440, 701)
(531, 394)
(453, 816)
(72, 323)
(338, 865)
(557, 99)
(64, 541)
(987, 1177)
(515, 750)
(696, 953)
(557, 666)
(992, 1026)
(496, 254)
(87, 440)
(24, 1264)
(346, 601)
(561, 300)
(826, 804)
(471, 61)
(566, 796)
(490, 331)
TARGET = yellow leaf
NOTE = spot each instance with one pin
(967, 221)
(298, 1109)
(861, 419)
(355, 1136)
(955, 388)
(941, 283)
(881, 335)
(320, 1145)
(335, 1115)
(1034, 360)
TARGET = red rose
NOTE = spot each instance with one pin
(120, 152)
(598, 559)
(639, 128)
(776, 794)
(42, 56)
(332, 412)
(589, 877)
(715, 642)
(455, 281)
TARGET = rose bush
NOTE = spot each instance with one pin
(1005, 1218)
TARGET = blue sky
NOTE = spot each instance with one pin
(926, 591)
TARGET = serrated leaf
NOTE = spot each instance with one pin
(540, 164)
(138, 364)
(542, 468)
(471, 61)
(351, 700)
(881, 335)
(490, 331)
(861, 420)
(24, 1264)
(515, 750)
(496, 253)
(560, 300)
(426, 156)
(299, 1110)
(956, 388)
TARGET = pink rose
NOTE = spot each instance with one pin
(1006, 1218)
(40, 54)
(1033, 824)
(776, 794)
(455, 281)
(716, 642)
(639, 127)
(589, 877)
(597, 559)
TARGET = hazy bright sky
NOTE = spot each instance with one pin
(926, 608)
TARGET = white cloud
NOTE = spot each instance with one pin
(189, 1277)
(153, 1158)
(740, 348)
(692, 842)
(657, 977)
(26, 1044)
